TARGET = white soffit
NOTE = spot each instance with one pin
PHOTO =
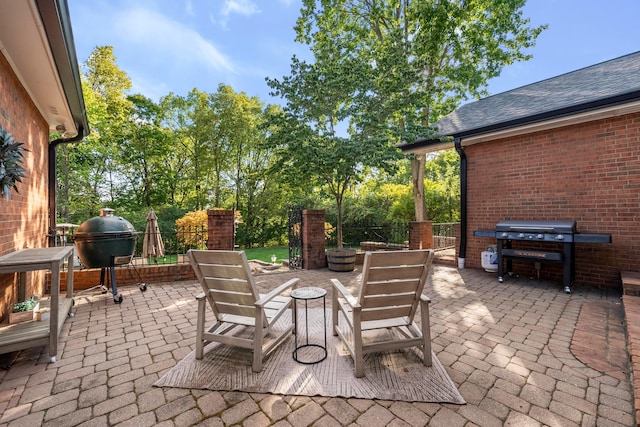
(24, 44)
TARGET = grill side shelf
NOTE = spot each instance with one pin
(485, 233)
(591, 238)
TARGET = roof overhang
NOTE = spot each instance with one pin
(555, 123)
(37, 41)
(534, 125)
(423, 146)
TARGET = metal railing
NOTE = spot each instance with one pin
(394, 235)
(390, 236)
(354, 235)
(444, 235)
(176, 245)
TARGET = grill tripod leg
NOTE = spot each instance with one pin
(117, 298)
(141, 285)
(114, 287)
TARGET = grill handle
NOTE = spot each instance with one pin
(532, 228)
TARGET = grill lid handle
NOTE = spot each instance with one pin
(532, 228)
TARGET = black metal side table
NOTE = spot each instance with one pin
(309, 353)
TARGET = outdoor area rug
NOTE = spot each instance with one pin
(396, 375)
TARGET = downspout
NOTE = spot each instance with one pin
(462, 251)
(53, 182)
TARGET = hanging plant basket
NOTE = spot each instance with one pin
(11, 157)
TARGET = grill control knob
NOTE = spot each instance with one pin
(540, 236)
(505, 235)
(560, 237)
(521, 235)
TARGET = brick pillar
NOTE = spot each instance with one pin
(420, 235)
(313, 255)
(221, 230)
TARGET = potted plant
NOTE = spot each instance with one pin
(24, 311)
(11, 157)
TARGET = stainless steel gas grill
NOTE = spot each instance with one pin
(563, 232)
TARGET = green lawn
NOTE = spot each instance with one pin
(169, 259)
(264, 254)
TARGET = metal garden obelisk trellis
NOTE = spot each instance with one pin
(295, 237)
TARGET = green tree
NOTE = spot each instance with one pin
(261, 195)
(238, 117)
(309, 143)
(425, 57)
(443, 186)
(192, 124)
(145, 155)
(109, 85)
(87, 176)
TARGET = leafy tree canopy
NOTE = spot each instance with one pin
(421, 58)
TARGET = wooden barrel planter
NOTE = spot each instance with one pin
(341, 259)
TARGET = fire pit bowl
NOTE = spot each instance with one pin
(99, 240)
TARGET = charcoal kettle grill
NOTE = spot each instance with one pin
(560, 231)
(104, 242)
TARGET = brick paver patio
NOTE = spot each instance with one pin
(512, 349)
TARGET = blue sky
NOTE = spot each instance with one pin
(175, 45)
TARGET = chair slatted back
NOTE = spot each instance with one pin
(226, 280)
(392, 282)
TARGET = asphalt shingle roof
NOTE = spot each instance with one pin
(607, 83)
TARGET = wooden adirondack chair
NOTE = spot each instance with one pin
(229, 288)
(388, 298)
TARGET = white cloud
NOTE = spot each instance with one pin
(241, 7)
(230, 7)
(158, 34)
(189, 8)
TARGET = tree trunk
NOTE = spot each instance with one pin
(339, 225)
(417, 177)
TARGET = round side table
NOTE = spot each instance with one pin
(306, 352)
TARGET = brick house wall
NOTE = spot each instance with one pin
(24, 217)
(589, 172)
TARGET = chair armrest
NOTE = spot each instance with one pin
(424, 298)
(351, 300)
(200, 296)
(275, 292)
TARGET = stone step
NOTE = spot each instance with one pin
(631, 303)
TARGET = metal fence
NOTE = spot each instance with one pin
(394, 235)
(176, 244)
(444, 235)
(353, 235)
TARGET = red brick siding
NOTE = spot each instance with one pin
(24, 217)
(588, 172)
(149, 274)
